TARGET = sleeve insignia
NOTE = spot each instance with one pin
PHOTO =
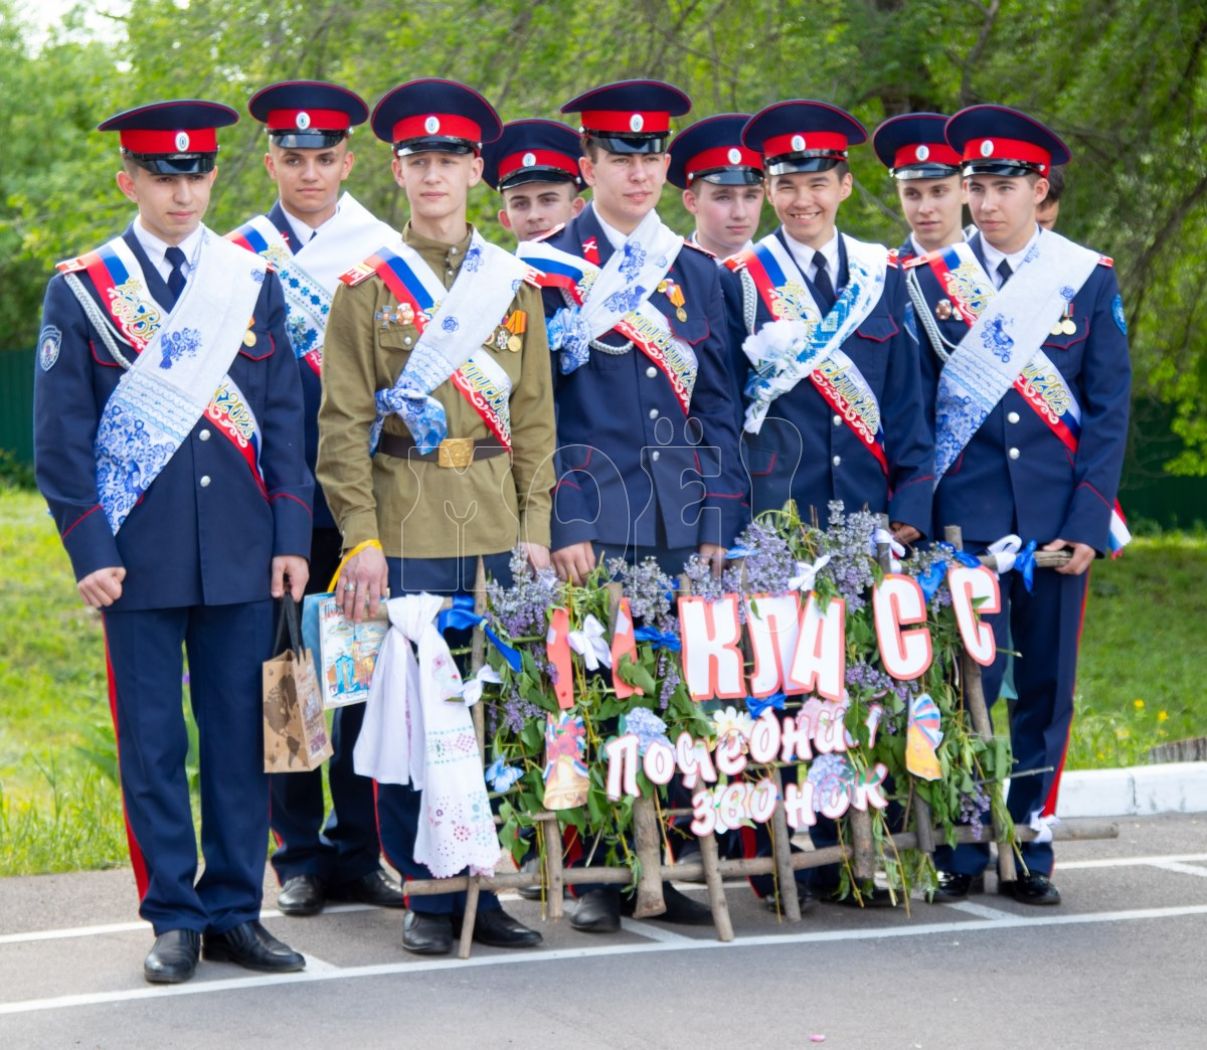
(50, 341)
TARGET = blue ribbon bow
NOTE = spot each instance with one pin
(658, 639)
(756, 705)
(932, 579)
(461, 617)
(1024, 563)
(963, 557)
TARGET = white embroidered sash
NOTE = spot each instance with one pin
(182, 365)
(460, 322)
(800, 342)
(1006, 339)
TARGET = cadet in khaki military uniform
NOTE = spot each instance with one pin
(436, 432)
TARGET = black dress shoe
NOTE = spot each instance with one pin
(682, 910)
(301, 895)
(425, 934)
(251, 946)
(531, 867)
(954, 887)
(597, 912)
(499, 930)
(173, 957)
(376, 888)
(804, 897)
(1031, 888)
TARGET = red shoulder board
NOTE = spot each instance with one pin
(1106, 260)
(533, 276)
(699, 248)
(737, 261)
(362, 271)
(894, 260)
(914, 260)
(80, 262)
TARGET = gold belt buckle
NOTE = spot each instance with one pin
(455, 453)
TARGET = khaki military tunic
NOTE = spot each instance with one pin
(418, 508)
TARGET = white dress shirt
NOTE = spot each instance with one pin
(615, 238)
(156, 249)
(803, 254)
(303, 232)
(993, 258)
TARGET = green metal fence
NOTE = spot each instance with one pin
(1148, 494)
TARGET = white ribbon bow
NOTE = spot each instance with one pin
(1042, 826)
(472, 691)
(806, 573)
(591, 644)
(896, 549)
(1004, 551)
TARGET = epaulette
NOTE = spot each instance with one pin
(702, 250)
(359, 273)
(915, 260)
(893, 259)
(737, 261)
(80, 262)
(548, 233)
(1106, 260)
(533, 276)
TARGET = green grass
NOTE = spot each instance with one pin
(1140, 684)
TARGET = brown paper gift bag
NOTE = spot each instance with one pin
(295, 729)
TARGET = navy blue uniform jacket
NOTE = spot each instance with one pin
(202, 534)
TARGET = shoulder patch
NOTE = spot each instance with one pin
(1117, 313)
(80, 262)
(50, 341)
(359, 273)
(1106, 260)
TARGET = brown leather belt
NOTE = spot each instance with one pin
(451, 453)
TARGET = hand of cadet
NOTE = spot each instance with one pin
(1083, 556)
(293, 568)
(575, 562)
(714, 555)
(538, 556)
(904, 534)
(103, 587)
(362, 584)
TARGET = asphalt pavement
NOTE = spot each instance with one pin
(1121, 963)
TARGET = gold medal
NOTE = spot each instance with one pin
(1068, 326)
(249, 339)
(681, 314)
(663, 285)
(514, 344)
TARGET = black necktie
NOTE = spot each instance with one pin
(822, 284)
(1004, 272)
(176, 278)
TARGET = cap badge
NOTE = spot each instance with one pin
(636, 122)
(302, 120)
(431, 125)
(987, 148)
(528, 160)
(182, 141)
(798, 143)
(922, 152)
(735, 156)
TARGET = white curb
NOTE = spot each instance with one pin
(1173, 787)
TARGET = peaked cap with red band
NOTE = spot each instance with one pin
(177, 137)
(914, 146)
(532, 151)
(307, 114)
(711, 150)
(997, 140)
(630, 116)
(802, 135)
(432, 114)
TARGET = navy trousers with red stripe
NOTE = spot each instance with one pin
(226, 647)
(398, 804)
(1046, 627)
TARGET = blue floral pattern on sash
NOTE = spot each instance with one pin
(633, 261)
(128, 459)
(175, 345)
(996, 339)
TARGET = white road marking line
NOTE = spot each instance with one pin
(651, 932)
(981, 910)
(1125, 862)
(1185, 869)
(588, 952)
(129, 927)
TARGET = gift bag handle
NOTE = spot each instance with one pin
(288, 624)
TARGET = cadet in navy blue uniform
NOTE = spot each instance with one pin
(1027, 336)
(854, 429)
(168, 438)
(534, 166)
(851, 424)
(312, 235)
(927, 173)
(723, 187)
(643, 387)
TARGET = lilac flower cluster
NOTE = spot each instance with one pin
(767, 567)
(517, 711)
(873, 681)
(646, 726)
(520, 609)
(974, 809)
(850, 566)
(649, 590)
(668, 674)
(703, 582)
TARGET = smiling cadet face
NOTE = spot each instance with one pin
(170, 206)
(308, 180)
(807, 203)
